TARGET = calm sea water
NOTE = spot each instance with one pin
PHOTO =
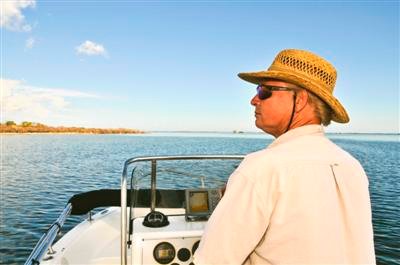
(39, 173)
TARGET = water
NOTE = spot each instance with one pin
(39, 173)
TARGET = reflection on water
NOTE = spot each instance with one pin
(39, 173)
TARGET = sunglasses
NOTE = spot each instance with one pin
(265, 91)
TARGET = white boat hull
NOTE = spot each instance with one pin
(98, 241)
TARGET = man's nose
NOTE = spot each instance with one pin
(255, 100)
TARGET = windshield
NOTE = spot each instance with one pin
(183, 174)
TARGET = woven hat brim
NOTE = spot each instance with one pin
(339, 112)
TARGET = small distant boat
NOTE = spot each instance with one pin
(142, 223)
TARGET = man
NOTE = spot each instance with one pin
(302, 200)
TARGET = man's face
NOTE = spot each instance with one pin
(273, 114)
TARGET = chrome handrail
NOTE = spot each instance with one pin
(153, 159)
(47, 239)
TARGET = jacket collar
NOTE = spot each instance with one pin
(313, 129)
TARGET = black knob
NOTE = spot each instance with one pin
(183, 254)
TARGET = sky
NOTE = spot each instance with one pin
(173, 65)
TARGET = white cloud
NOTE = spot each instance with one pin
(91, 48)
(11, 14)
(29, 43)
(19, 100)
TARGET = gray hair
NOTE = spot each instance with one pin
(321, 109)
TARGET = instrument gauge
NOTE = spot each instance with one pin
(164, 253)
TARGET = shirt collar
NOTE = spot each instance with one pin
(292, 134)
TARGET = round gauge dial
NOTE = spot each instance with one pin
(164, 253)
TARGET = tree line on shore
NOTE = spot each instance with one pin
(32, 127)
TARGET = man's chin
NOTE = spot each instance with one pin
(259, 126)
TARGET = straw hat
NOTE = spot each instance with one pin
(307, 70)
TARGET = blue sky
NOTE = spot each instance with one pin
(172, 65)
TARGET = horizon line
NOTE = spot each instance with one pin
(254, 132)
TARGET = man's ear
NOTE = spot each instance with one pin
(301, 99)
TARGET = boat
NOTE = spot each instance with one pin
(156, 217)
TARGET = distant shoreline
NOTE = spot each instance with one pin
(37, 128)
(62, 133)
(10, 128)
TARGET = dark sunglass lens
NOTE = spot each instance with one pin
(263, 93)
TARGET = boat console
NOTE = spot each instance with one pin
(177, 237)
(162, 238)
(172, 244)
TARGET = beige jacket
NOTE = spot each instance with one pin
(302, 200)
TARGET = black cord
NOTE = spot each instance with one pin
(294, 108)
